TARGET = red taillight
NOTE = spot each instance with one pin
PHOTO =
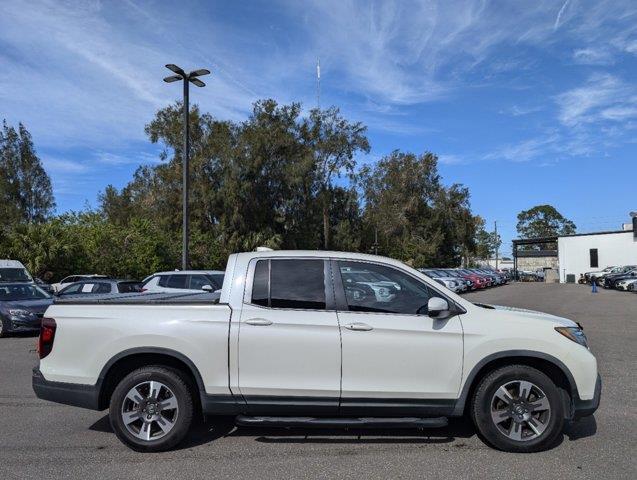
(47, 335)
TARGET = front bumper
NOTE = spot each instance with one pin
(18, 324)
(75, 394)
(585, 408)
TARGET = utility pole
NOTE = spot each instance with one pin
(495, 239)
(375, 245)
(187, 79)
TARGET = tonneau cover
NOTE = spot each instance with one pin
(140, 298)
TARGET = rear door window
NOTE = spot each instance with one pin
(289, 283)
(102, 287)
(176, 281)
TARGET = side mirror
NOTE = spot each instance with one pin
(208, 288)
(438, 308)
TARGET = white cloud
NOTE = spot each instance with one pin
(560, 14)
(451, 159)
(525, 150)
(59, 165)
(602, 97)
(115, 160)
(593, 56)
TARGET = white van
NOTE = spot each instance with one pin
(14, 271)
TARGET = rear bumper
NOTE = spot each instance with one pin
(75, 394)
(585, 408)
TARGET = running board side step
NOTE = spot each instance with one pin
(323, 422)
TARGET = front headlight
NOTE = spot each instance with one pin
(18, 312)
(575, 334)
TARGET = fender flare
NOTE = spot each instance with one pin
(471, 377)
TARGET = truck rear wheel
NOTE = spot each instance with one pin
(151, 409)
(517, 408)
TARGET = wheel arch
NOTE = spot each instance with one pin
(549, 365)
(128, 360)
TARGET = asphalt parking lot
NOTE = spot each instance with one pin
(45, 440)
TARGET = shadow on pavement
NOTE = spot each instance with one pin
(586, 427)
(219, 427)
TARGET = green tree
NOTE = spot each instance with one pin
(333, 142)
(418, 220)
(543, 221)
(487, 243)
(26, 194)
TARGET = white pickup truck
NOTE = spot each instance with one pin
(294, 340)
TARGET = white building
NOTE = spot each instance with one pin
(588, 252)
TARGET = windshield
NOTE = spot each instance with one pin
(14, 275)
(14, 292)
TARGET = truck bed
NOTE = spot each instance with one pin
(141, 298)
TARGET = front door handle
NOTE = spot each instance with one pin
(259, 322)
(359, 327)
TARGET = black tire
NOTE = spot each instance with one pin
(481, 406)
(3, 329)
(173, 380)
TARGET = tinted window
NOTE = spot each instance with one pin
(176, 281)
(198, 281)
(384, 289)
(128, 287)
(292, 284)
(101, 288)
(261, 283)
(297, 284)
(14, 275)
(217, 278)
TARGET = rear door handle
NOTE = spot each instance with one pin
(359, 327)
(259, 322)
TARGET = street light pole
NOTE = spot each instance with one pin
(187, 78)
(185, 230)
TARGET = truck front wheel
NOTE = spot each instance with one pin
(518, 409)
(151, 409)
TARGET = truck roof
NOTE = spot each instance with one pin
(319, 254)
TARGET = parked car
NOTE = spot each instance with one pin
(304, 348)
(625, 283)
(100, 286)
(73, 279)
(14, 271)
(627, 271)
(479, 281)
(21, 307)
(183, 281)
(383, 289)
(599, 274)
(470, 284)
(44, 286)
(443, 278)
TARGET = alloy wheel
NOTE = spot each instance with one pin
(150, 410)
(520, 410)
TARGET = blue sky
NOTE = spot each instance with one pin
(525, 102)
